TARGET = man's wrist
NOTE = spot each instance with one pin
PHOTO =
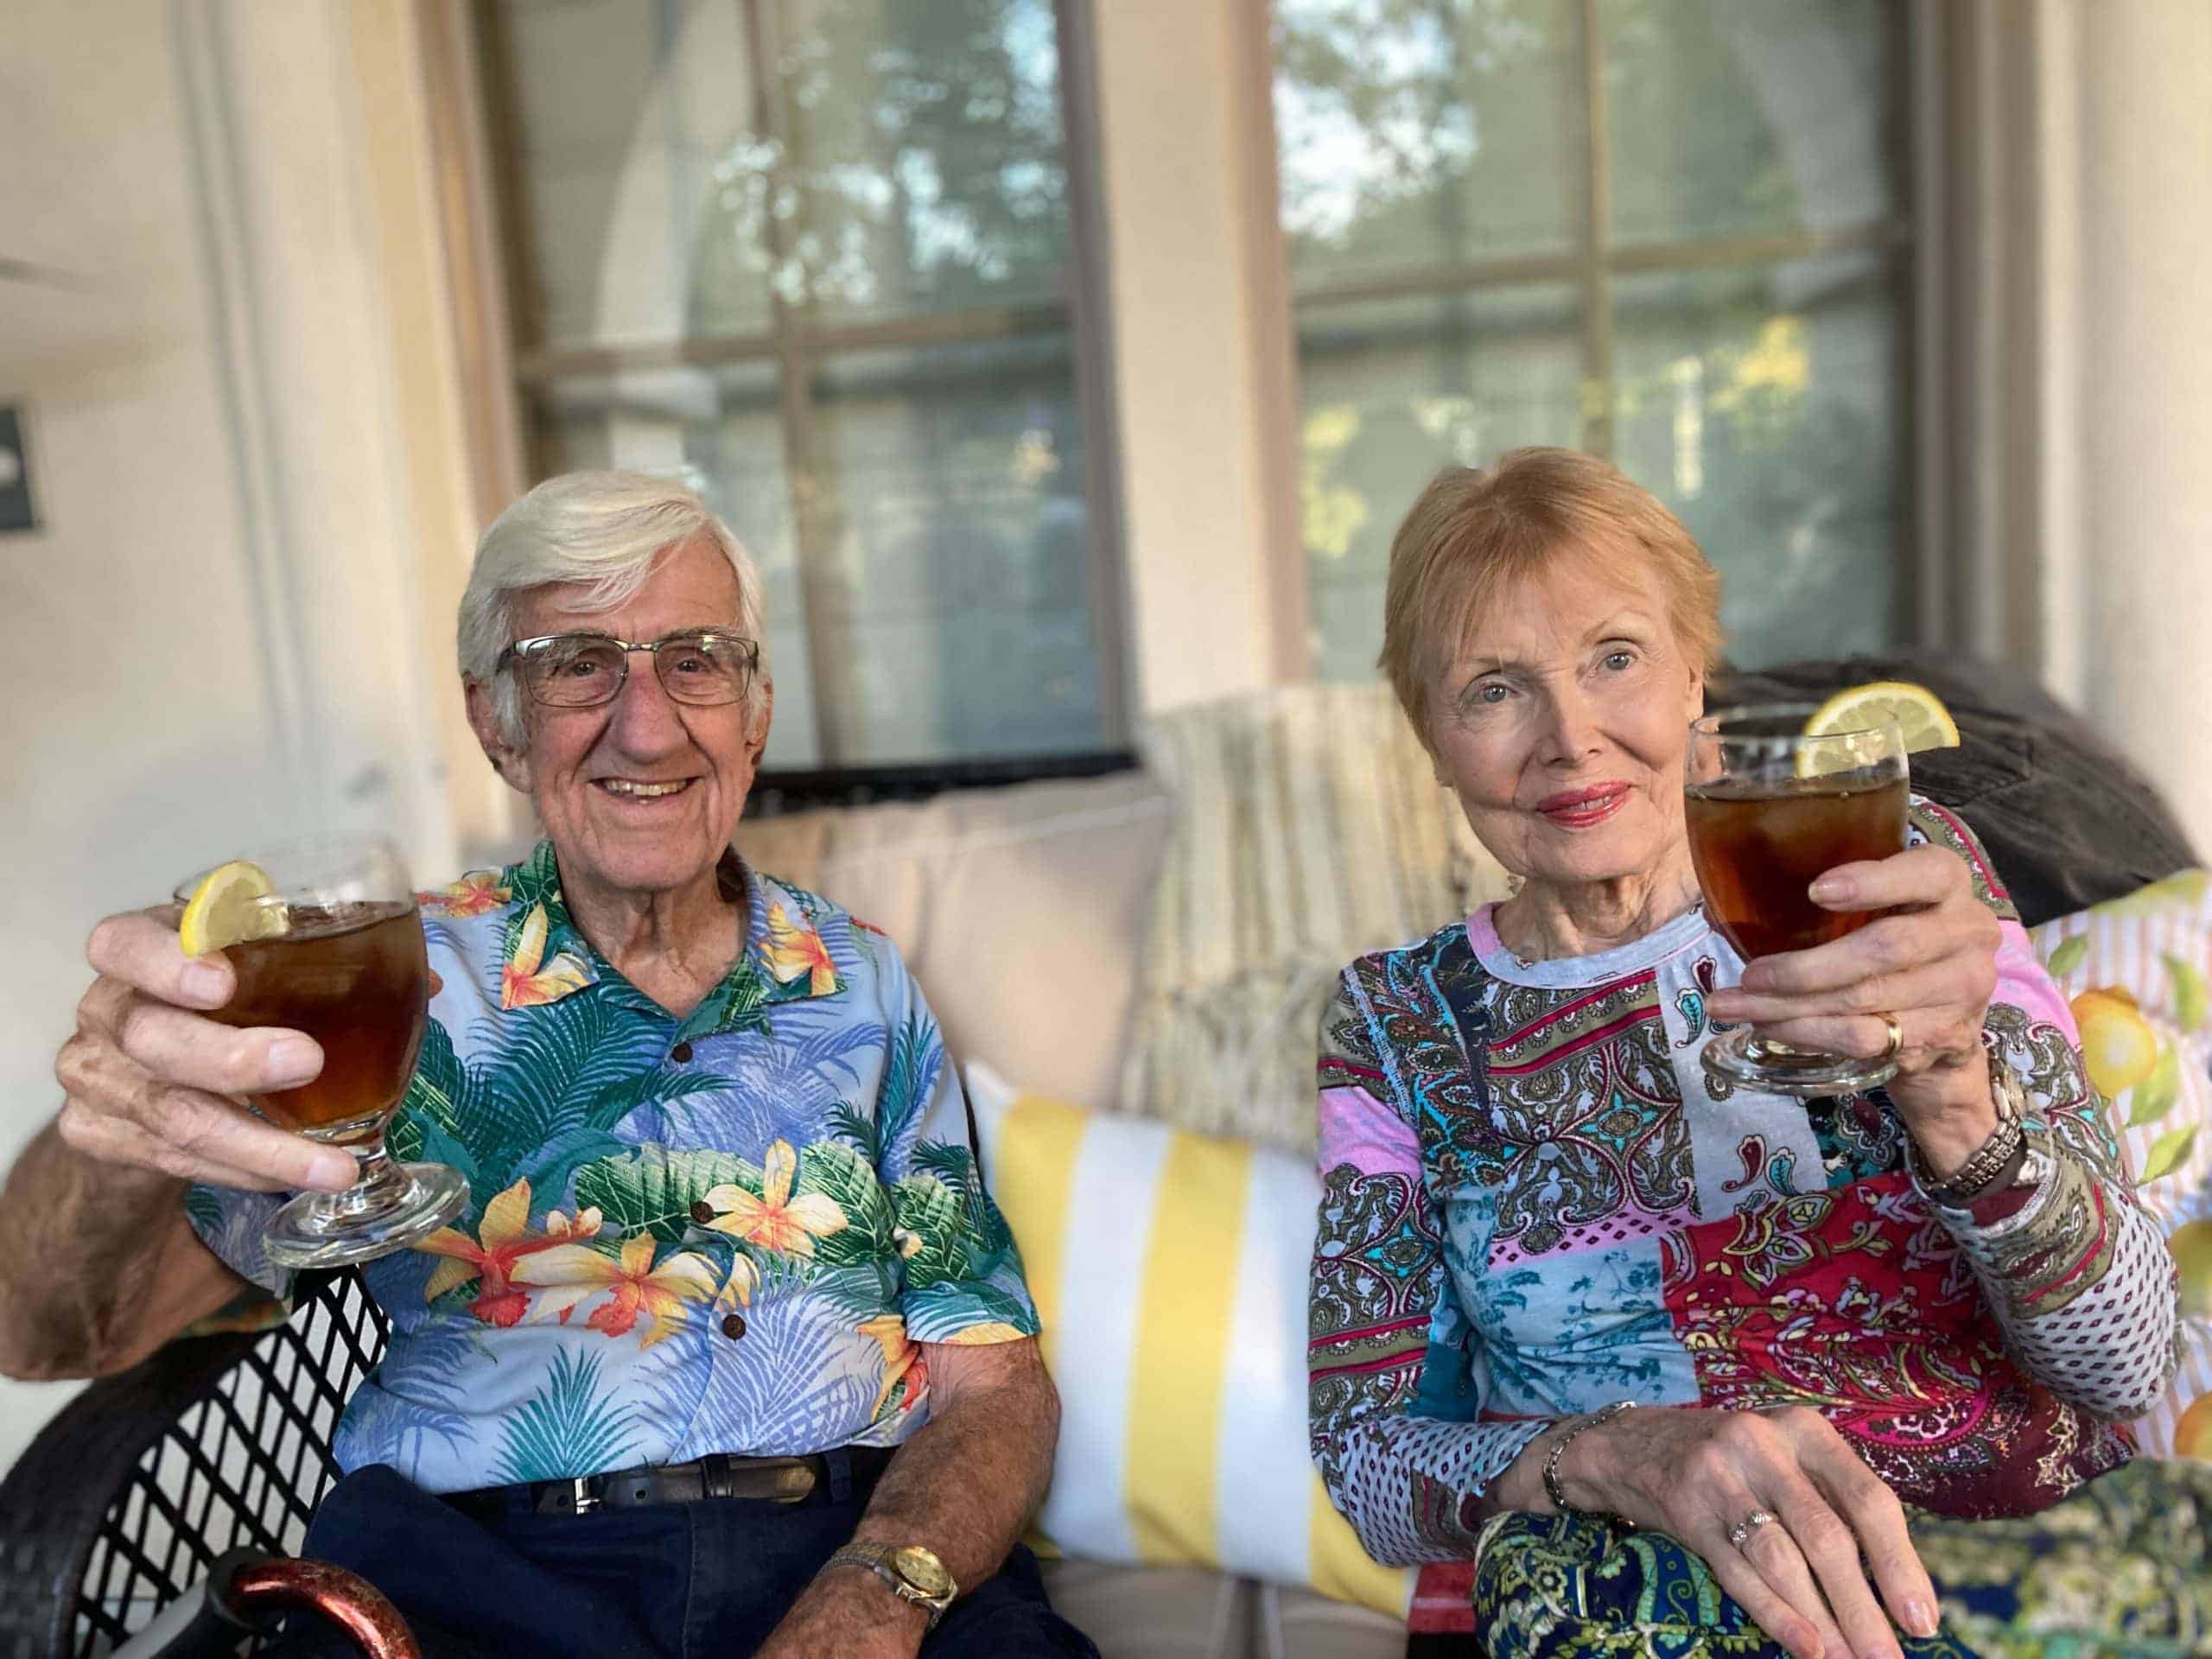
(861, 1585)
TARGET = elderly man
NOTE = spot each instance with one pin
(730, 1350)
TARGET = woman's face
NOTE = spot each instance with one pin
(1561, 725)
(640, 795)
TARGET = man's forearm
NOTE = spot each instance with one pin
(89, 1254)
(969, 1481)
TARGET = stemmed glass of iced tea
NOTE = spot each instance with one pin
(1771, 810)
(337, 952)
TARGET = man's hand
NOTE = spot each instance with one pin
(851, 1612)
(149, 1080)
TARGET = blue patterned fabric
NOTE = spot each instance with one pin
(726, 1233)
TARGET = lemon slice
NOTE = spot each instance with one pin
(233, 903)
(1919, 713)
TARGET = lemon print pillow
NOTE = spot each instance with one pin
(2138, 973)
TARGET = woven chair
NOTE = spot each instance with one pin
(129, 1494)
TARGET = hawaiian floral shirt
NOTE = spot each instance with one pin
(725, 1233)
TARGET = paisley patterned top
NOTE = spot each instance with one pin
(1538, 1200)
(725, 1233)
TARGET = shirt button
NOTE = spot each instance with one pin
(680, 1053)
(734, 1326)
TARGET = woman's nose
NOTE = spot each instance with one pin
(1571, 730)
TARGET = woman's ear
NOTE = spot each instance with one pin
(512, 765)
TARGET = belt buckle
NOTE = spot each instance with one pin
(581, 1498)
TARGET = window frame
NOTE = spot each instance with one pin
(1597, 260)
(800, 349)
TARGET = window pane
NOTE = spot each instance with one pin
(1742, 116)
(950, 614)
(1761, 405)
(1389, 392)
(1413, 133)
(920, 167)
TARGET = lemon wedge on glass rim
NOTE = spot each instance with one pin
(1919, 713)
(233, 903)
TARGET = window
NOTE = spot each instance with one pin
(1670, 231)
(823, 257)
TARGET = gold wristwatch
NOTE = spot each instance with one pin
(914, 1574)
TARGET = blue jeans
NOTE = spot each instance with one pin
(670, 1581)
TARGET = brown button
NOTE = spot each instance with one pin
(702, 1213)
(734, 1326)
(680, 1053)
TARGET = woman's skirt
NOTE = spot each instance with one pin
(2122, 1569)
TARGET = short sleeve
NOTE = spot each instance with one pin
(961, 1278)
(232, 1222)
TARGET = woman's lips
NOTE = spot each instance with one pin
(1579, 809)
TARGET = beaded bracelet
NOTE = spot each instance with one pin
(1552, 1489)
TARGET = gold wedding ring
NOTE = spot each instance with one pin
(1895, 1045)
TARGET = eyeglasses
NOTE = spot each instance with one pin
(701, 666)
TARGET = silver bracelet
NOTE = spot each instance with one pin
(1552, 1489)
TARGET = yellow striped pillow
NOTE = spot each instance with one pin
(1170, 1271)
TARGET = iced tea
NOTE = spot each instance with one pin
(1758, 847)
(356, 978)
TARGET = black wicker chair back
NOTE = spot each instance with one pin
(145, 1478)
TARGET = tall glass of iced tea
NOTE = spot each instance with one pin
(1770, 810)
(336, 950)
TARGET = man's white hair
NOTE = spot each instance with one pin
(603, 529)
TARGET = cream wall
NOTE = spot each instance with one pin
(218, 634)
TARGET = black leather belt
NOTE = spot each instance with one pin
(776, 1480)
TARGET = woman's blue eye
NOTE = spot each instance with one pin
(1618, 660)
(1491, 693)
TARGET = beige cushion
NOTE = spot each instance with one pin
(1293, 1624)
(1310, 828)
(1155, 1612)
(1019, 910)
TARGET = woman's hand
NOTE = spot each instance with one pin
(148, 1080)
(1694, 1474)
(1930, 962)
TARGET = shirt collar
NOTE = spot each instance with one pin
(546, 957)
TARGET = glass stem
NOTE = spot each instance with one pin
(379, 1188)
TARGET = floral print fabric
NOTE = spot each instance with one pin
(726, 1233)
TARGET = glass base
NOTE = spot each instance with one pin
(1742, 1056)
(396, 1205)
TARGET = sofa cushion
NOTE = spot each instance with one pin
(1020, 912)
(1310, 828)
(2136, 971)
(1170, 1271)
(1155, 1612)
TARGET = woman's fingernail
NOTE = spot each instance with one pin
(1830, 889)
(205, 982)
(1920, 1619)
(333, 1173)
(291, 1062)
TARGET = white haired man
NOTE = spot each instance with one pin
(731, 1348)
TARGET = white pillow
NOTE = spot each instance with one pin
(1170, 1272)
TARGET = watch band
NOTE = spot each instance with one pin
(1998, 1158)
(882, 1561)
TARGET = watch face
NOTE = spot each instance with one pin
(922, 1570)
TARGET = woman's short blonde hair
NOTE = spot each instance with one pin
(1475, 530)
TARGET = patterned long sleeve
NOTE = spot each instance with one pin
(1394, 1376)
(2078, 1273)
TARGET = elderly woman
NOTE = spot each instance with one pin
(1685, 1367)
(730, 1350)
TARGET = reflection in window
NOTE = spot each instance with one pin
(1669, 231)
(816, 256)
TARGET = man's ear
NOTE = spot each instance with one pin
(513, 764)
(762, 719)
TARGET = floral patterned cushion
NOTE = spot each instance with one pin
(2137, 970)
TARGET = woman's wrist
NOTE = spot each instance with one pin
(1949, 1130)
